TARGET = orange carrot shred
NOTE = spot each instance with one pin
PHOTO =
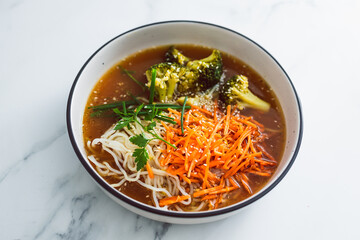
(202, 110)
(171, 200)
(149, 170)
(215, 110)
(209, 197)
(226, 129)
(216, 151)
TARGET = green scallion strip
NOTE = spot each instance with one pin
(152, 85)
(165, 104)
(165, 119)
(173, 107)
(112, 105)
(134, 97)
(127, 72)
(102, 114)
(99, 113)
(131, 112)
(117, 111)
(169, 105)
(124, 108)
(161, 139)
(182, 115)
(163, 116)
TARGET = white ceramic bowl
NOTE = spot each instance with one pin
(185, 32)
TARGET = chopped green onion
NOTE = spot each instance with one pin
(161, 139)
(163, 116)
(152, 85)
(163, 106)
(117, 111)
(172, 107)
(111, 105)
(124, 108)
(127, 72)
(101, 113)
(165, 119)
(182, 115)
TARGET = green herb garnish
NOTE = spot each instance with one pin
(150, 126)
(141, 154)
(129, 112)
(139, 140)
(141, 157)
(124, 122)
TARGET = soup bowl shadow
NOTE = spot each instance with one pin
(185, 32)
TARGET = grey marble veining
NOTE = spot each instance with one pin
(38, 147)
(46, 194)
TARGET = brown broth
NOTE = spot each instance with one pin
(114, 85)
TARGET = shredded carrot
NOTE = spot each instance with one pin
(201, 110)
(171, 200)
(265, 152)
(219, 200)
(205, 191)
(149, 170)
(208, 197)
(264, 174)
(216, 151)
(233, 182)
(226, 189)
(215, 110)
(228, 109)
(186, 179)
(244, 181)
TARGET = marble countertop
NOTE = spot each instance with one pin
(46, 194)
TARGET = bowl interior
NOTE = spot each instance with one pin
(190, 33)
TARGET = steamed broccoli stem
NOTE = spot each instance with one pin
(174, 55)
(236, 91)
(171, 86)
(190, 101)
(161, 89)
(167, 76)
(166, 89)
(251, 100)
(214, 56)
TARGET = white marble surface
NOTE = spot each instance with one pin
(46, 194)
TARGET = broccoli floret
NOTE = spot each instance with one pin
(236, 91)
(167, 77)
(184, 75)
(191, 100)
(209, 70)
(201, 74)
(174, 55)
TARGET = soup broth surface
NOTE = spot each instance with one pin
(114, 86)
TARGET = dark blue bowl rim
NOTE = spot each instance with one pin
(151, 209)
